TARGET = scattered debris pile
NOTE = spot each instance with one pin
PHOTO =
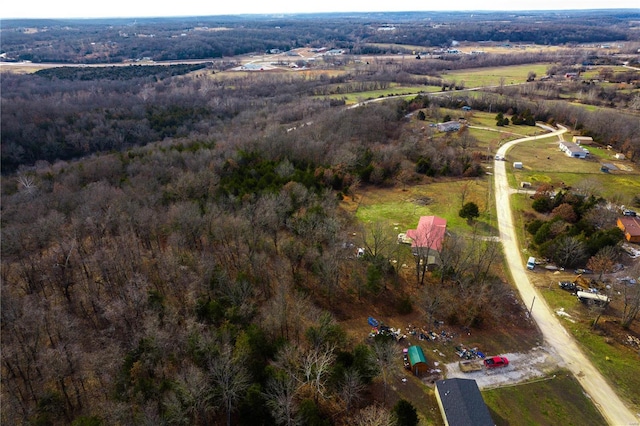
(379, 328)
(468, 353)
(429, 335)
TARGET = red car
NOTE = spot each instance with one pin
(496, 361)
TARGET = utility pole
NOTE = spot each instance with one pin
(532, 302)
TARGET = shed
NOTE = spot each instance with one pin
(517, 165)
(461, 403)
(630, 225)
(417, 360)
(582, 140)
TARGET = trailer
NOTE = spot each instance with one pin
(594, 298)
(469, 366)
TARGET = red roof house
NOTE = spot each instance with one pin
(429, 234)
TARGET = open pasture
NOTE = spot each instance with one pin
(493, 76)
(404, 208)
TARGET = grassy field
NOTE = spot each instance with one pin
(493, 76)
(557, 400)
(403, 209)
(545, 163)
(355, 97)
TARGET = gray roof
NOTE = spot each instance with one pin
(462, 403)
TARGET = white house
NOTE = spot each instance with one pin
(619, 156)
(573, 150)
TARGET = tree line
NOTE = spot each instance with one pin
(109, 41)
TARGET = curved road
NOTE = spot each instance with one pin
(593, 383)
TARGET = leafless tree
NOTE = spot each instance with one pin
(27, 185)
(378, 240)
(464, 190)
(433, 298)
(230, 378)
(569, 251)
(315, 366)
(631, 298)
(192, 399)
(453, 257)
(601, 217)
(351, 389)
(588, 187)
(385, 354)
(280, 394)
(374, 415)
(603, 261)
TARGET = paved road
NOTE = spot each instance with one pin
(593, 383)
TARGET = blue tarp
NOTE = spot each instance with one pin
(373, 322)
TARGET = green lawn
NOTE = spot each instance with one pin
(559, 400)
(545, 163)
(493, 76)
(355, 97)
(404, 208)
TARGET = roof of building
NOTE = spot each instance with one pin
(462, 403)
(416, 355)
(448, 126)
(572, 147)
(430, 232)
(631, 225)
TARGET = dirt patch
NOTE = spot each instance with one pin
(422, 201)
(623, 167)
(523, 367)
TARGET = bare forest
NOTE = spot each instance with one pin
(174, 250)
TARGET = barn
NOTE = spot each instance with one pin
(417, 360)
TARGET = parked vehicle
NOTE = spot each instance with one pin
(567, 285)
(531, 263)
(496, 361)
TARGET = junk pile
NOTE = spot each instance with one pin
(469, 353)
(424, 334)
(380, 328)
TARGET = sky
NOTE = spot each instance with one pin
(129, 8)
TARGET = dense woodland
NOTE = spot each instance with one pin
(174, 250)
(91, 41)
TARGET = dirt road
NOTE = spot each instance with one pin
(554, 334)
